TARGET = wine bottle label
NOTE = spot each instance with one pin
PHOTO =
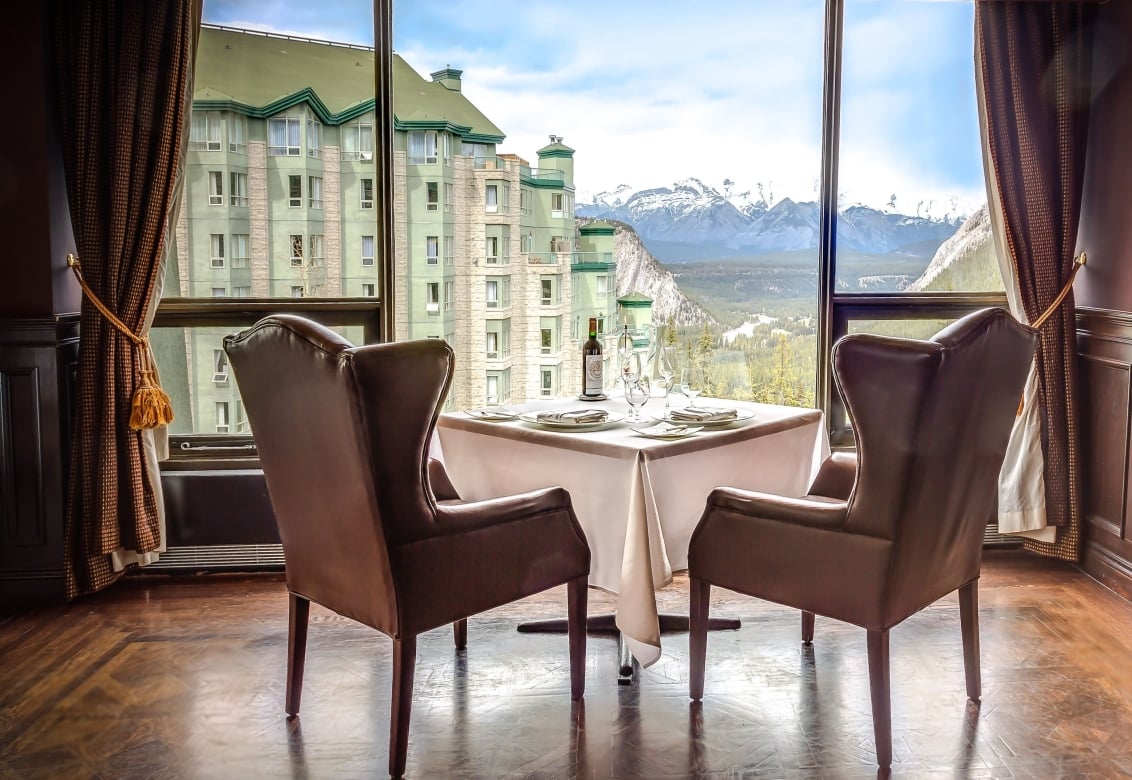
(594, 384)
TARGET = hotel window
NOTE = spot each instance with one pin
(314, 139)
(492, 394)
(432, 250)
(216, 188)
(491, 250)
(491, 293)
(368, 290)
(222, 417)
(547, 388)
(449, 295)
(219, 366)
(449, 198)
(238, 134)
(357, 142)
(492, 351)
(238, 249)
(556, 207)
(239, 189)
(602, 285)
(491, 198)
(367, 250)
(449, 259)
(432, 297)
(297, 291)
(422, 147)
(295, 191)
(525, 196)
(205, 131)
(446, 147)
(217, 250)
(547, 288)
(296, 244)
(367, 193)
(219, 292)
(546, 341)
(241, 418)
(283, 137)
(242, 291)
(314, 185)
(318, 249)
(432, 197)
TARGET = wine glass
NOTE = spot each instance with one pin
(630, 362)
(692, 380)
(667, 370)
(637, 395)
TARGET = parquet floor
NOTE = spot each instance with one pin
(183, 678)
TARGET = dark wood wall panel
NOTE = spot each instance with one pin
(1104, 344)
(21, 458)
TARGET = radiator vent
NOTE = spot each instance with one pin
(220, 557)
(992, 538)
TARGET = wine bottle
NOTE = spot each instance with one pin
(593, 383)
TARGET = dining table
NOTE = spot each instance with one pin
(637, 498)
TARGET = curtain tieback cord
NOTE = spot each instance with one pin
(1078, 262)
(150, 406)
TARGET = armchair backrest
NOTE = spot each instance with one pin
(342, 434)
(932, 420)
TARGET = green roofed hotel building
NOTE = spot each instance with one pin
(279, 202)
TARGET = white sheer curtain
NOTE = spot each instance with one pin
(1021, 483)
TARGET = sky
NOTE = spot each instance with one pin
(650, 92)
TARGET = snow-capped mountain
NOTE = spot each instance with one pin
(966, 261)
(730, 220)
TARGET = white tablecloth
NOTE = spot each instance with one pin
(637, 499)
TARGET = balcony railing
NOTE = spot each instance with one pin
(489, 163)
(592, 257)
(541, 174)
(542, 258)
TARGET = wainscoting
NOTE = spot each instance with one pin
(1104, 343)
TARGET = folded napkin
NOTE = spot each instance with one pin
(576, 416)
(496, 413)
(692, 414)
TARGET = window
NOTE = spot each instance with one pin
(297, 291)
(491, 196)
(219, 292)
(205, 131)
(602, 282)
(368, 290)
(492, 394)
(422, 147)
(432, 250)
(222, 417)
(448, 257)
(220, 366)
(238, 134)
(367, 250)
(498, 386)
(318, 249)
(446, 147)
(242, 292)
(432, 297)
(449, 295)
(556, 205)
(432, 201)
(547, 384)
(296, 244)
(239, 182)
(241, 418)
(216, 188)
(217, 256)
(491, 293)
(491, 250)
(449, 197)
(314, 138)
(546, 341)
(547, 287)
(525, 197)
(314, 186)
(492, 343)
(357, 142)
(560, 244)
(367, 193)
(239, 250)
(295, 191)
(283, 137)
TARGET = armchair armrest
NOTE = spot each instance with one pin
(813, 511)
(463, 516)
(836, 476)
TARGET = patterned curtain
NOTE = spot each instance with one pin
(124, 75)
(1035, 68)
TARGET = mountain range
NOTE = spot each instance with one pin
(692, 220)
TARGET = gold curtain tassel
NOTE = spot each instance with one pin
(150, 406)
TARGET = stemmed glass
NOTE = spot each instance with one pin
(692, 381)
(667, 370)
(637, 395)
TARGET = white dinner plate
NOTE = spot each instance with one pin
(493, 414)
(612, 418)
(741, 415)
(664, 430)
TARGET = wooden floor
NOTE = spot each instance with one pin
(183, 678)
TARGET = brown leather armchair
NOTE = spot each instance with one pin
(885, 533)
(371, 527)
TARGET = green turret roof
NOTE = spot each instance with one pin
(261, 75)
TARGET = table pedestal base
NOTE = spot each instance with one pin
(606, 624)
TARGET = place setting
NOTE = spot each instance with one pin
(493, 414)
(573, 419)
(692, 384)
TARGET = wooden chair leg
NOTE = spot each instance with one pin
(969, 620)
(404, 664)
(699, 597)
(460, 633)
(807, 628)
(298, 610)
(880, 688)
(577, 591)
